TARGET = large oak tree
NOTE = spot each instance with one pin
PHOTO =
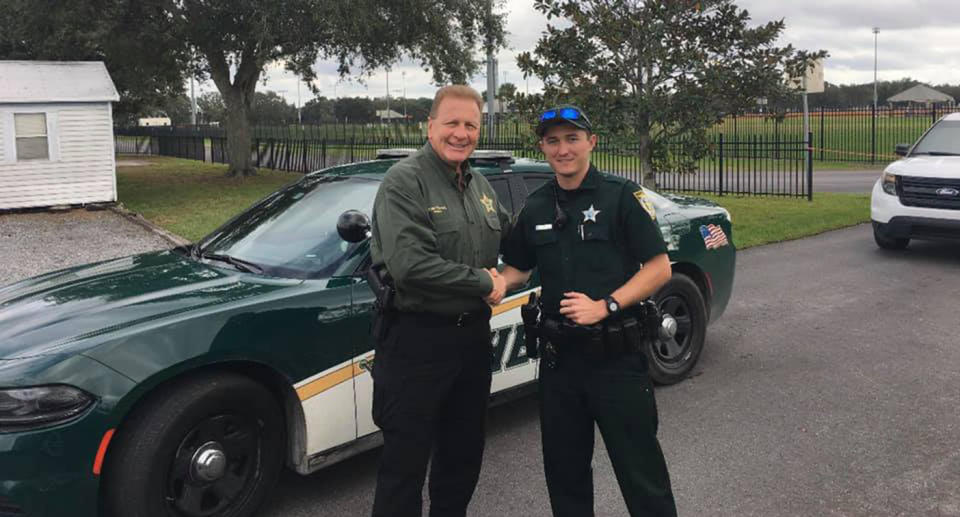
(651, 71)
(237, 39)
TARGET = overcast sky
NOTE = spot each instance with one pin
(918, 39)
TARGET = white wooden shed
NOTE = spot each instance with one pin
(56, 134)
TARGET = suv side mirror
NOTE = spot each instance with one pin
(354, 226)
(902, 149)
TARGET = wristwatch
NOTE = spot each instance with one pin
(613, 306)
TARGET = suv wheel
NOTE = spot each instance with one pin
(888, 243)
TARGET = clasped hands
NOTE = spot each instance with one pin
(499, 287)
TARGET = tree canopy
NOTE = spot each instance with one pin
(146, 60)
(652, 71)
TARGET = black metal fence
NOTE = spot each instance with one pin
(843, 135)
(757, 165)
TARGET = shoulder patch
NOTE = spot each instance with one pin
(645, 202)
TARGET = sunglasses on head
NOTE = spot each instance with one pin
(562, 114)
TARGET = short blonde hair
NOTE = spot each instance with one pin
(459, 91)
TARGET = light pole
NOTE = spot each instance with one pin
(876, 30)
(403, 91)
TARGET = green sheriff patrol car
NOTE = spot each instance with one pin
(181, 382)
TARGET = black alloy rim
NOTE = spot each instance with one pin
(673, 351)
(192, 491)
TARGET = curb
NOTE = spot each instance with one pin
(176, 240)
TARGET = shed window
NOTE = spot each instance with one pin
(31, 133)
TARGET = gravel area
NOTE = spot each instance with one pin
(36, 242)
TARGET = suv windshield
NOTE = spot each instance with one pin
(942, 139)
(293, 233)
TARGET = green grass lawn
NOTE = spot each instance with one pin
(762, 220)
(191, 198)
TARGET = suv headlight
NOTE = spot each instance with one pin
(890, 183)
(40, 406)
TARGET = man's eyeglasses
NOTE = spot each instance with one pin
(563, 114)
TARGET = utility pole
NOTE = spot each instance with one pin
(876, 30)
(299, 106)
(388, 96)
(491, 76)
(193, 104)
(403, 91)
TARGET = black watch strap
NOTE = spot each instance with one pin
(613, 306)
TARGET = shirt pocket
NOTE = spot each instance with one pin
(546, 244)
(599, 252)
(449, 244)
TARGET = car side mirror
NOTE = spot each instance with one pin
(354, 226)
(902, 149)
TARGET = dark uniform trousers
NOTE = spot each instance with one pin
(617, 394)
(431, 387)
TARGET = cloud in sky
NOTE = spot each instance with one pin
(918, 39)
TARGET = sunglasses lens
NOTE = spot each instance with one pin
(547, 115)
(569, 114)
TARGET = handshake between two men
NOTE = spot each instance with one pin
(499, 287)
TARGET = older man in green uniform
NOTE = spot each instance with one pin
(437, 228)
(593, 239)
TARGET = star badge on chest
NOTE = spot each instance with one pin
(487, 203)
(590, 214)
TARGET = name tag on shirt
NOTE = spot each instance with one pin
(540, 227)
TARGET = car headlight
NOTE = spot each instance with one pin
(40, 406)
(890, 183)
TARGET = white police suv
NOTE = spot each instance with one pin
(918, 197)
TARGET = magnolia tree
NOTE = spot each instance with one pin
(651, 71)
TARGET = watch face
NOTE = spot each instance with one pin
(612, 306)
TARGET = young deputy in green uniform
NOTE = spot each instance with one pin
(593, 239)
(437, 228)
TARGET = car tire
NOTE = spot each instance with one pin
(888, 243)
(211, 445)
(672, 360)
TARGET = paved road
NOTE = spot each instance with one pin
(830, 387)
(859, 181)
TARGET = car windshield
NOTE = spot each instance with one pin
(293, 233)
(943, 139)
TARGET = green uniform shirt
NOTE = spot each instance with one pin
(434, 239)
(609, 233)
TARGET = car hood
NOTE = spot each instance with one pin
(927, 167)
(46, 314)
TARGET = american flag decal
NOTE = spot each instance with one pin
(713, 236)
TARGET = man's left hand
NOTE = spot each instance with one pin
(582, 309)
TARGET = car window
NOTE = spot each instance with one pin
(943, 138)
(293, 233)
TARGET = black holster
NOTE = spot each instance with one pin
(530, 313)
(383, 308)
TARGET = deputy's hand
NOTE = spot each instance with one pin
(499, 287)
(582, 309)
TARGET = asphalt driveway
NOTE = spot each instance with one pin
(36, 242)
(830, 387)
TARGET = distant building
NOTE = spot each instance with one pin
(56, 133)
(921, 95)
(153, 121)
(389, 116)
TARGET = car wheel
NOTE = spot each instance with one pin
(888, 243)
(209, 446)
(672, 359)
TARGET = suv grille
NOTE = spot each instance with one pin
(922, 192)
